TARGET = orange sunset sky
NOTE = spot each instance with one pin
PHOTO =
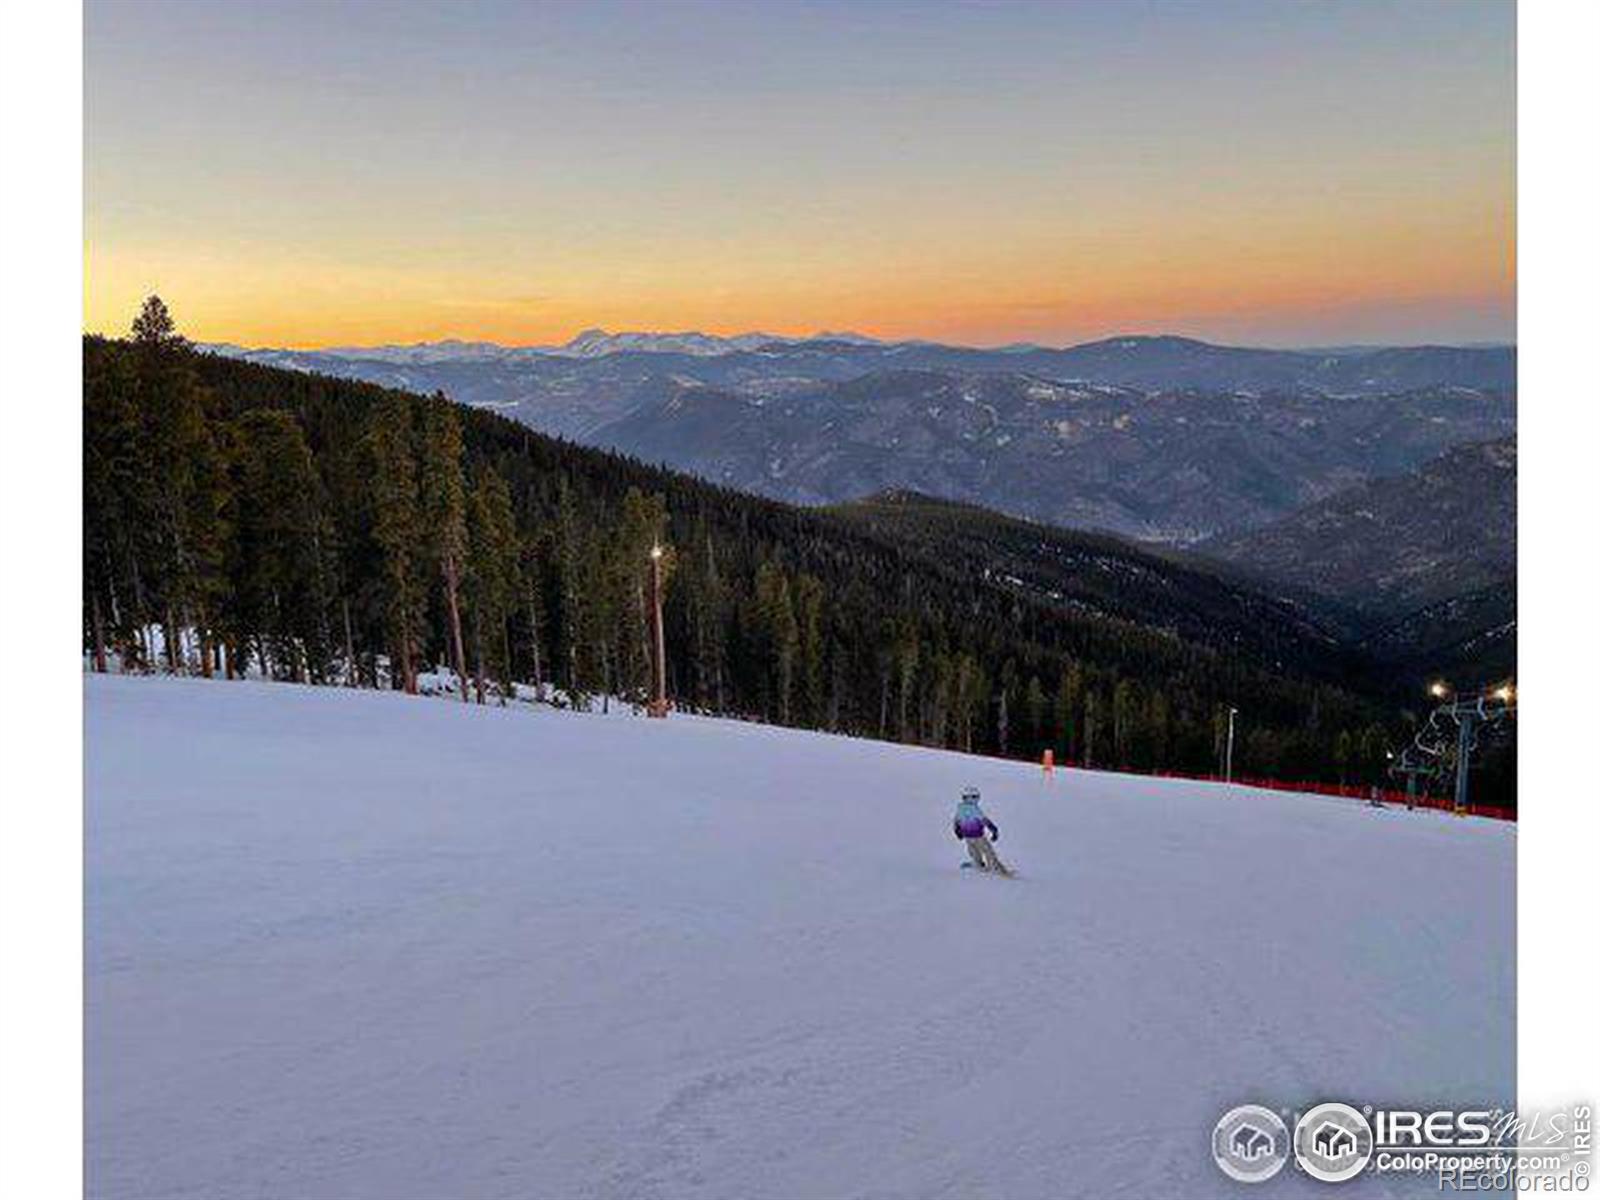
(303, 174)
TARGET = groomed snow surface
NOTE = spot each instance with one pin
(354, 944)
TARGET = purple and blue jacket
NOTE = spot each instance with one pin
(970, 821)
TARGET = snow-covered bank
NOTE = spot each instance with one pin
(354, 944)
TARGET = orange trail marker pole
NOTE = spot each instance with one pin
(1048, 762)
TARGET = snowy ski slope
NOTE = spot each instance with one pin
(350, 944)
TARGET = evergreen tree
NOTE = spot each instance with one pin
(572, 619)
(808, 602)
(1091, 720)
(1123, 721)
(1219, 736)
(907, 655)
(971, 698)
(626, 581)
(281, 561)
(1372, 748)
(1069, 704)
(706, 601)
(183, 470)
(779, 637)
(1342, 753)
(533, 610)
(1033, 708)
(1158, 728)
(117, 514)
(494, 579)
(1002, 723)
(444, 515)
(397, 529)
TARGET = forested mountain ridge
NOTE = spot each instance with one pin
(1144, 362)
(336, 531)
(1172, 466)
(1165, 439)
(1399, 543)
(1105, 575)
(1469, 638)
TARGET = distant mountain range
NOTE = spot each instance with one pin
(1161, 438)
(1398, 544)
(1149, 362)
(1370, 493)
(1370, 489)
(591, 343)
(1171, 466)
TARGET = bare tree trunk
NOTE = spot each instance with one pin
(99, 629)
(140, 617)
(170, 637)
(699, 663)
(505, 658)
(351, 678)
(203, 632)
(645, 640)
(111, 594)
(460, 664)
(533, 639)
(477, 653)
(408, 674)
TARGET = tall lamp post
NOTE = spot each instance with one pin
(1227, 769)
(658, 698)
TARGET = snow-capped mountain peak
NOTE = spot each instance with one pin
(593, 343)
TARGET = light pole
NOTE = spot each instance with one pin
(658, 699)
(1227, 769)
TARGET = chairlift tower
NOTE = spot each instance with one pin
(1458, 719)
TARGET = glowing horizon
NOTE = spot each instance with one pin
(307, 174)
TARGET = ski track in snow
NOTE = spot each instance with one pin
(350, 944)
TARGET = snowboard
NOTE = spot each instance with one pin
(969, 865)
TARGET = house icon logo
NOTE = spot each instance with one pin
(1250, 1143)
(1333, 1142)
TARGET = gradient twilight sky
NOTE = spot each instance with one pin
(1297, 172)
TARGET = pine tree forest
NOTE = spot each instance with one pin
(244, 520)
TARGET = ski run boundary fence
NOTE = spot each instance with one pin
(1342, 791)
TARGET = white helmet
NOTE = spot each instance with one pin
(969, 793)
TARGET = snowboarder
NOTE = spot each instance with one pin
(973, 826)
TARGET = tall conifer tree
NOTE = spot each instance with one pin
(444, 515)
